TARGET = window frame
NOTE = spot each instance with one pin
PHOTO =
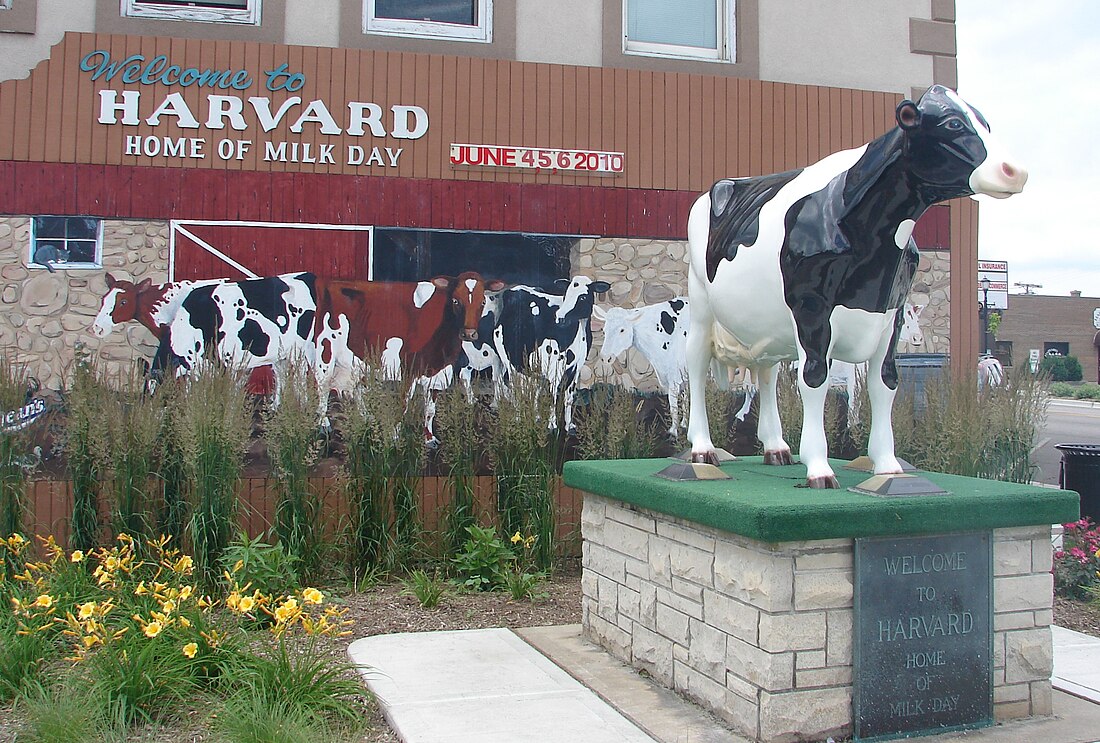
(5, 4)
(726, 47)
(482, 33)
(250, 15)
(97, 262)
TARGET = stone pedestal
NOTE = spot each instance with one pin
(758, 628)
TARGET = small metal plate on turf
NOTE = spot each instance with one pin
(898, 486)
(864, 464)
(687, 471)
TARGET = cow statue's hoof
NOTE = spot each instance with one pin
(780, 457)
(825, 482)
(705, 457)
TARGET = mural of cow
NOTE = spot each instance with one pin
(659, 332)
(548, 332)
(246, 324)
(151, 305)
(417, 327)
(990, 372)
(814, 264)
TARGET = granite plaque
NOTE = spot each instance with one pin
(923, 649)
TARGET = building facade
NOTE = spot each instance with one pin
(373, 139)
(1035, 325)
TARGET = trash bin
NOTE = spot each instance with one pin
(1081, 472)
(914, 370)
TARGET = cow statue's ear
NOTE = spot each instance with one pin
(111, 283)
(144, 285)
(495, 285)
(908, 115)
(443, 282)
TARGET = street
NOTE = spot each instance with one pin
(1068, 422)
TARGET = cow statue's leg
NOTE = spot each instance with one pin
(770, 428)
(699, 356)
(813, 448)
(882, 382)
(673, 394)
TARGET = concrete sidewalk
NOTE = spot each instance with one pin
(496, 685)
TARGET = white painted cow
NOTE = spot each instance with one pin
(815, 264)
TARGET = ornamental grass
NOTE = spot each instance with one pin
(15, 448)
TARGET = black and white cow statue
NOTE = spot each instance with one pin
(548, 332)
(815, 264)
(244, 324)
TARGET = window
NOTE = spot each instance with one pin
(461, 20)
(5, 4)
(66, 242)
(1056, 348)
(207, 11)
(688, 29)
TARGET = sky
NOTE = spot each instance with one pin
(1033, 70)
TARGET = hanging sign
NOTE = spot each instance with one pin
(997, 273)
(536, 158)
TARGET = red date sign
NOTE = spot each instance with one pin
(537, 158)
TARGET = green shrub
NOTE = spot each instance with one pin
(85, 444)
(69, 713)
(268, 568)
(609, 427)
(1061, 368)
(23, 652)
(428, 589)
(15, 448)
(524, 586)
(461, 421)
(251, 718)
(1076, 563)
(132, 420)
(485, 560)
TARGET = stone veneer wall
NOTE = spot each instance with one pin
(46, 316)
(647, 271)
(761, 634)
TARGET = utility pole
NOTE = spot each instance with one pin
(1028, 287)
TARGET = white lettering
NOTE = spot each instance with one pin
(355, 154)
(401, 129)
(109, 106)
(375, 157)
(325, 156)
(225, 106)
(174, 105)
(318, 113)
(373, 119)
(262, 107)
(275, 151)
(393, 155)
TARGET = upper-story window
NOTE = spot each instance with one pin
(458, 20)
(688, 29)
(66, 242)
(207, 11)
(5, 4)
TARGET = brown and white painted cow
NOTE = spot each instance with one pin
(418, 328)
(151, 305)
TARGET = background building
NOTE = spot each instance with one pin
(524, 139)
(1037, 323)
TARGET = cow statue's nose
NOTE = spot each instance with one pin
(469, 335)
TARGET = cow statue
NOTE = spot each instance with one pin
(151, 305)
(990, 372)
(815, 264)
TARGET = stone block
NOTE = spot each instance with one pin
(703, 689)
(1042, 556)
(762, 579)
(1012, 558)
(1029, 655)
(1022, 592)
(805, 715)
(608, 604)
(660, 561)
(771, 671)
(686, 535)
(691, 564)
(1012, 693)
(653, 654)
(1043, 617)
(823, 589)
(730, 616)
(1011, 710)
(809, 659)
(818, 677)
(680, 603)
(784, 632)
(605, 562)
(673, 624)
(838, 636)
(629, 603)
(687, 589)
(1013, 620)
(741, 714)
(626, 539)
(1042, 698)
(635, 519)
(838, 560)
(647, 606)
(707, 652)
(608, 636)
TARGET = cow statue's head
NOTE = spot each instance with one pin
(467, 294)
(119, 305)
(951, 151)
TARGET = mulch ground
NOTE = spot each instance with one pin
(1077, 615)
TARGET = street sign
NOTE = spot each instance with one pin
(997, 273)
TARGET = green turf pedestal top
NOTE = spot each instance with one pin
(765, 502)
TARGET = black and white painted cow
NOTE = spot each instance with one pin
(246, 324)
(815, 264)
(548, 332)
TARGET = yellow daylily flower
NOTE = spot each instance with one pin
(153, 629)
(246, 604)
(190, 649)
(516, 538)
(77, 556)
(312, 596)
(87, 610)
(45, 601)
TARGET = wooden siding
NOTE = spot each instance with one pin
(678, 131)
